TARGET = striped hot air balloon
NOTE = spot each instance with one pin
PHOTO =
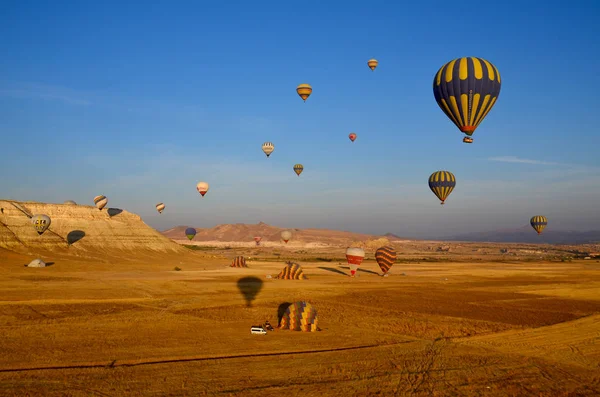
(538, 223)
(385, 257)
(268, 148)
(466, 89)
(238, 261)
(298, 168)
(300, 316)
(41, 223)
(354, 256)
(304, 90)
(160, 207)
(292, 271)
(441, 184)
(372, 63)
(190, 233)
(352, 136)
(100, 202)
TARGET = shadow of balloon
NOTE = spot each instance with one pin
(332, 269)
(362, 270)
(74, 236)
(249, 288)
(281, 311)
(114, 211)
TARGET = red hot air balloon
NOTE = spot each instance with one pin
(352, 136)
(355, 256)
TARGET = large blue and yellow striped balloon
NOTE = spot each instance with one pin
(466, 89)
(441, 184)
(538, 223)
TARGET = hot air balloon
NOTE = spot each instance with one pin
(372, 63)
(100, 202)
(304, 90)
(70, 202)
(41, 223)
(286, 235)
(385, 257)
(538, 222)
(355, 256)
(466, 89)
(441, 184)
(352, 136)
(268, 148)
(257, 239)
(190, 232)
(160, 207)
(202, 188)
(298, 168)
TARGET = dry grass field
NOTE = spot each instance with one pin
(137, 327)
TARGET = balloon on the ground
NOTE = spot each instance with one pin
(352, 136)
(190, 232)
(354, 256)
(538, 223)
(268, 148)
(292, 271)
(41, 223)
(286, 235)
(372, 63)
(298, 168)
(70, 202)
(441, 184)
(160, 207)
(202, 188)
(385, 257)
(466, 89)
(100, 201)
(304, 90)
(300, 316)
(239, 261)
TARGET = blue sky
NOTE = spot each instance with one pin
(141, 100)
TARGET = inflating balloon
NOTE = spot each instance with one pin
(304, 90)
(41, 223)
(538, 223)
(202, 188)
(441, 184)
(466, 89)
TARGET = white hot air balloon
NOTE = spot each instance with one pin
(286, 235)
(202, 188)
(100, 201)
(160, 207)
(268, 148)
(41, 223)
(354, 256)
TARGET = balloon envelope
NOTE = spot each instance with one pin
(385, 257)
(100, 201)
(160, 207)
(286, 235)
(190, 232)
(202, 188)
(304, 90)
(441, 184)
(298, 168)
(466, 89)
(354, 256)
(538, 223)
(352, 136)
(372, 63)
(268, 148)
(70, 202)
(41, 223)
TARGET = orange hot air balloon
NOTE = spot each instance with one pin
(304, 90)
(372, 63)
(352, 136)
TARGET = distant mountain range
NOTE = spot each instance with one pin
(526, 234)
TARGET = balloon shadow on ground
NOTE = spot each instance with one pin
(114, 211)
(332, 269)
(362, 270)
(281, 311)
(74, 236)
(249, 288)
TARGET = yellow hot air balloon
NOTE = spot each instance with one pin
(441, 184)
(202, 188)
(41, 223)
(100, 201)
(538, 223)
(298, 168)
(372, 63)
(304, 90)
(268, 148)
(160, 207)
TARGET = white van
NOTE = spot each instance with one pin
(258, 330)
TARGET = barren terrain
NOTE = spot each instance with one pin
(465, 321)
